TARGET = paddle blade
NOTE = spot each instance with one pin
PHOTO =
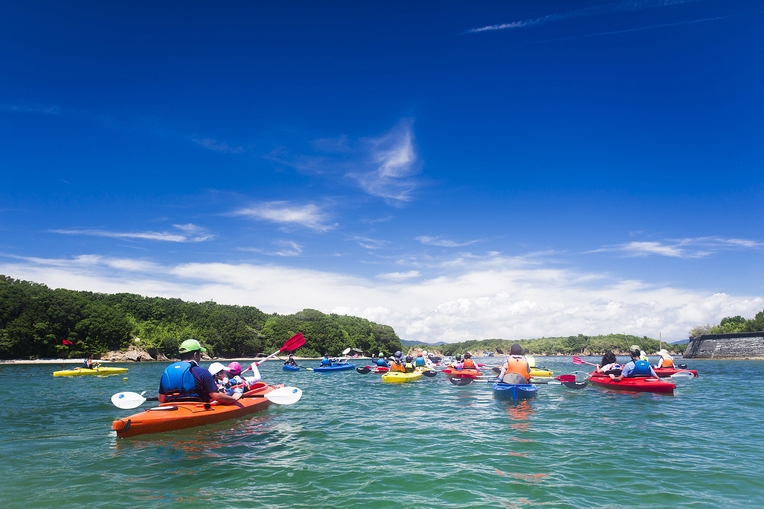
(566, 378)
(430, 373)
(293, 343)
(127, 400)
(682, 374)
(496, 369)
(363, 369)
(460, 381)
(346, 351)
(284, 396)
(577, 360)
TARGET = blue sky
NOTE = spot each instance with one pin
(458, 170)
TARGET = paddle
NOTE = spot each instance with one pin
(363, 369)
(429, 373)
(292, 343)
(682, 374)
(282, 396)
(579, 360)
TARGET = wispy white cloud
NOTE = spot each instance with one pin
(368, 243)
(384, 166)
(32, 108)
(492, 297)
(188, 233)
(630, 5)
(282, 212)
(217, 146)
(283, 248)
(682, 248)
(442, 242)
(399, 276)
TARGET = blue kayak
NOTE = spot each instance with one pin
(514, 392)
(289, 367)
(336, 367)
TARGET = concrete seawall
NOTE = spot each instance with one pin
(740, 345)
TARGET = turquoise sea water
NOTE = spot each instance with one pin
(352, 441)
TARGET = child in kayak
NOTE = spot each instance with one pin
(609, 364)
(397, 364)
(636, 367)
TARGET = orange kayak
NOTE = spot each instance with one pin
(189, 414)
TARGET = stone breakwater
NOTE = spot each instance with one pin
(740, 345)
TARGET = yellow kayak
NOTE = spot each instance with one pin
(102, 371)
(541, 373)
(396, 377)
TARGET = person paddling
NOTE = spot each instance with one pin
(397, 364)
(89, 363)
(636, 367)
(666, 360)
(515, 369)
(468, 362)
(609, 364)
(290, 361)
(187, 381)
(326, 361)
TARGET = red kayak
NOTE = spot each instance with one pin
(380, 369)
(461, 373)
(636, 384)
(664, 372)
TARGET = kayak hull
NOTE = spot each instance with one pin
(461, 373)
(514, 392)
(396, 377)
(287, 367)
(336, 367)
(91, 372)
(666, 372)
(541, 373)
(637, 384)
(183, 415)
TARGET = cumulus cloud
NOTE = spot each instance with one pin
(188, 233)
(497, 297)
(309, 215)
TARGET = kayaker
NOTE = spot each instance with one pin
(397, 364)
(89, 363)
(642, 354)
(409, 365)
(326, 361)
(608, 364)
(515, 369)
(218, 373)
(382, 363)
(420, 361)
(531, 360)
(457, 362)
(666, 360)
(187, 381)
(290, 361)
(236, 383)
(636, 367)
(468, 362)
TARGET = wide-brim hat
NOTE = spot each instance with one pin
(663, 352)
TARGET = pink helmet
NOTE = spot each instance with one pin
(234, 368)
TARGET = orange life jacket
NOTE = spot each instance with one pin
(517, 365)
(398, 367)
(469, 364)
(666, 363)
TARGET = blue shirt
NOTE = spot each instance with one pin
(629, 368)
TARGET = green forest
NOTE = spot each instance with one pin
(35, 320)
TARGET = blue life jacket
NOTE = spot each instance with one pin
(641, 368)
(419, 361)
(179, 381)
(381, 362)
(326, 362)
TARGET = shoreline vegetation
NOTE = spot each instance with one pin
(43, 325)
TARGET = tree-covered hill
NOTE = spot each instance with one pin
(35, 320)
(570, 345)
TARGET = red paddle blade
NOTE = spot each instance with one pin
(566, 378)
(577, 360)
(293, 343)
